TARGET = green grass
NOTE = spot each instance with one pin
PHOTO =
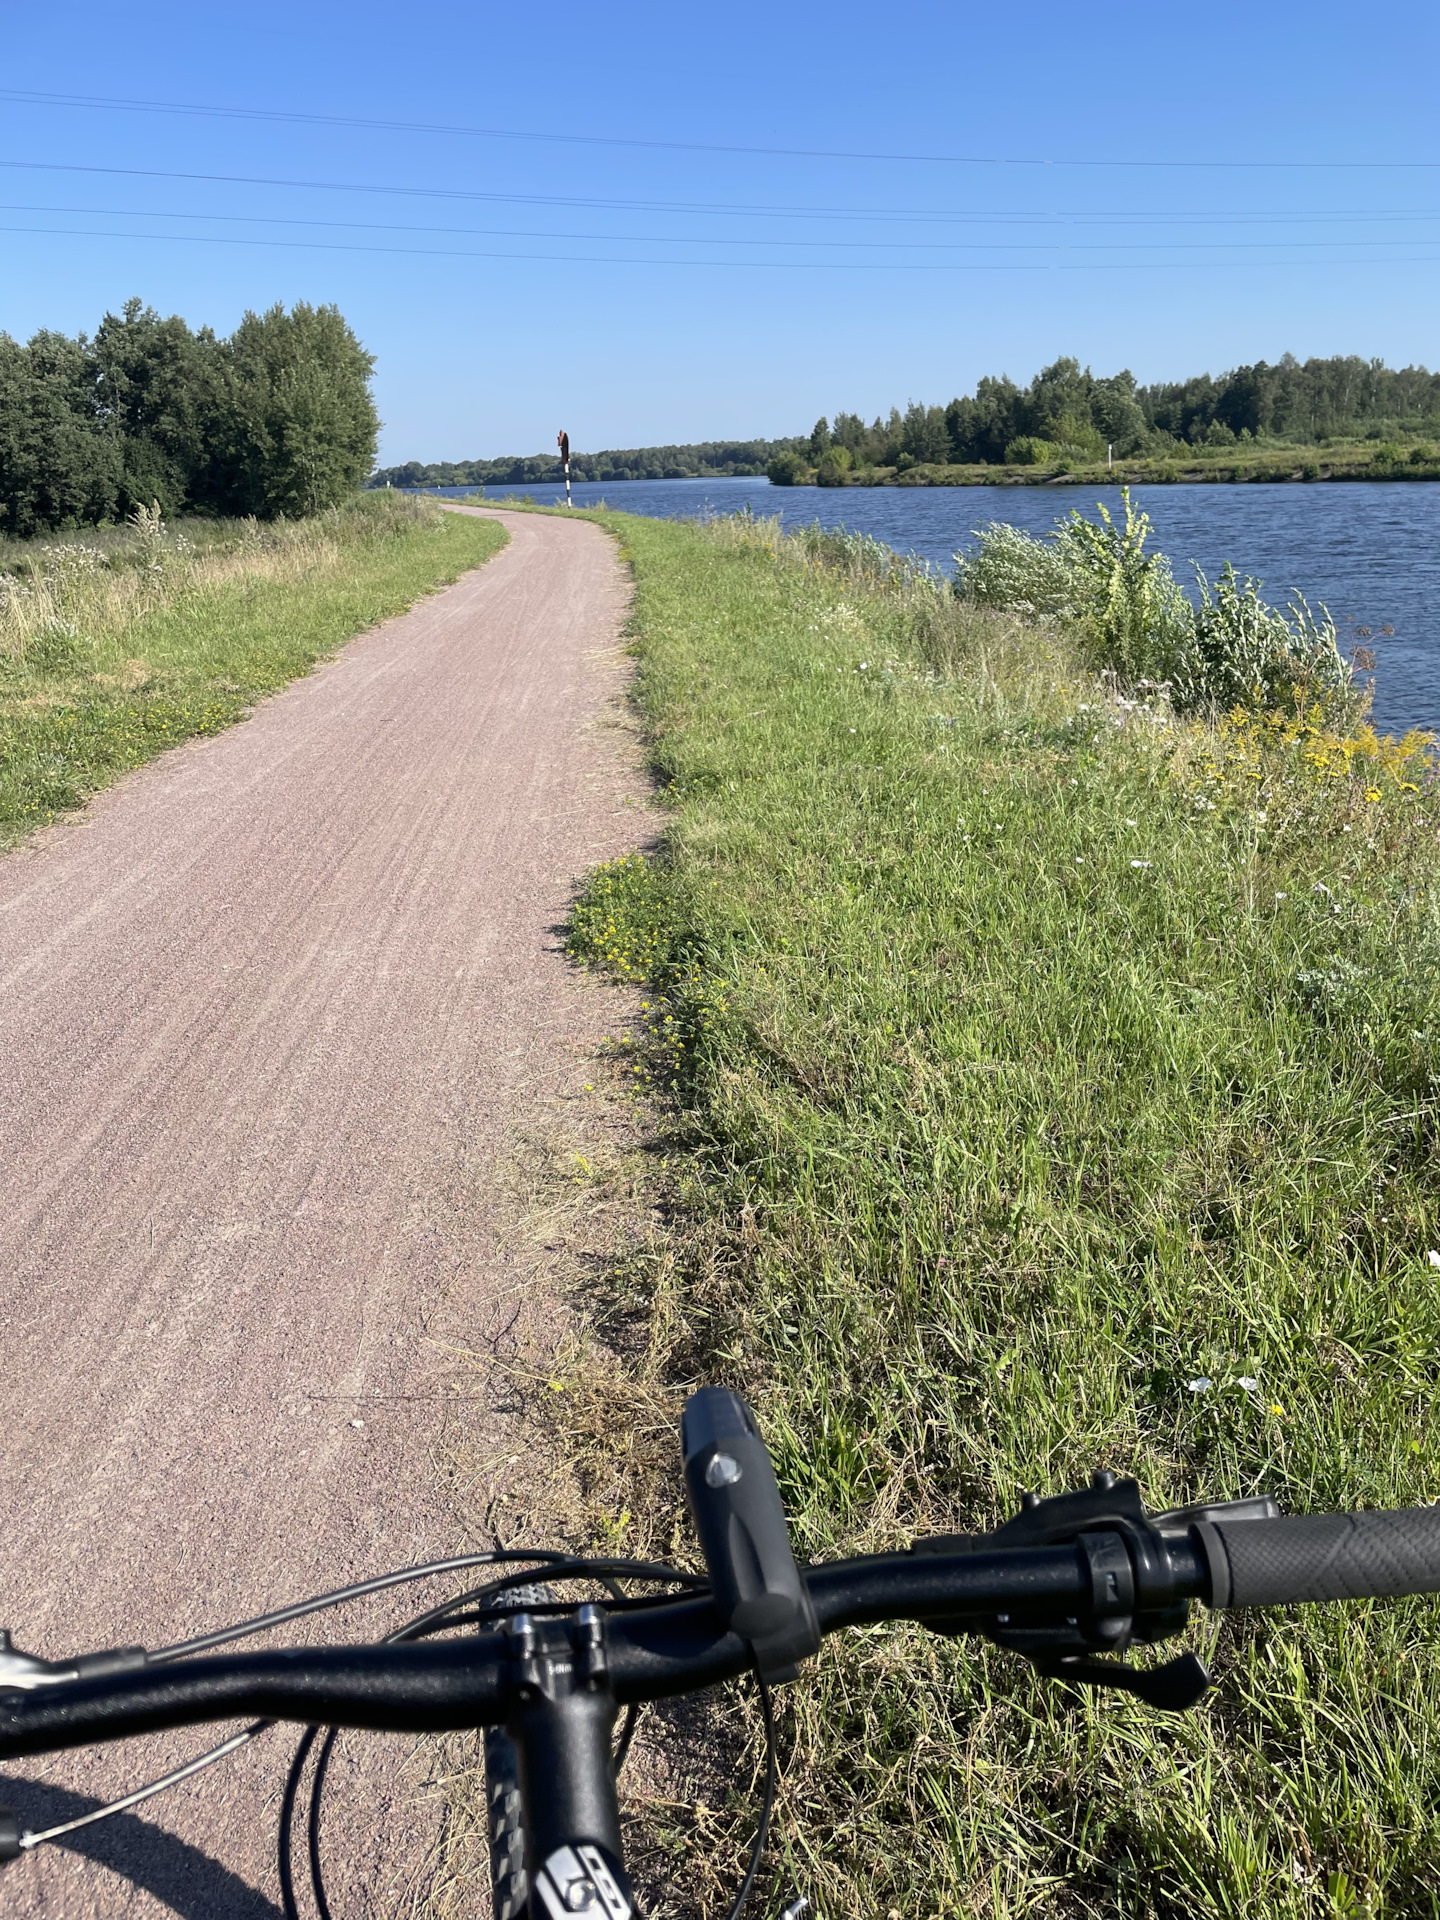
(1033, 1060)
(117, 645)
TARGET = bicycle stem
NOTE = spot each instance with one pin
(562, 1721)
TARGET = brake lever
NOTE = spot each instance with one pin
(1173, 1687)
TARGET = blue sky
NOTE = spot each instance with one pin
(1168, 189)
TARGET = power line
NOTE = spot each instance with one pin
(929, 216)
(607, 260)
(686, 240)
(281, 117)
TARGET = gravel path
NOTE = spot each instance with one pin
(269, 1010)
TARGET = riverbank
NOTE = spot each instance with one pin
(116, 644)
(1050, 1089)
(1277, 466)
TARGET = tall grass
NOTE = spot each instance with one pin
(120, 642)
(1056, 1087)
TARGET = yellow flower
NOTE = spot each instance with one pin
(1372, 793)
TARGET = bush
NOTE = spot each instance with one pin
(1028, 451)
(834, 467)
(785, 470)
(1229, 650)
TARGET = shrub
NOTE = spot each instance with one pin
(785, 469)
(1243, 653)
(1229, 650)
(834, 467)
(1028, 451)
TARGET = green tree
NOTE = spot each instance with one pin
(301, 423)
(834, 467)
(58, 465)
(924, 436)
(159, 390)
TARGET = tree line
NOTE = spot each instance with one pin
(741, 458)
(275, 419)
(1067, 410)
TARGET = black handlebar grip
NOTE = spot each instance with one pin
(1322, 1556)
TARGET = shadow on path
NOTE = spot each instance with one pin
(189, 1882)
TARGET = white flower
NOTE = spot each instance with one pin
(1132, 823)
(1245, 1381)
(1433, 1258)
(1140, 863)
(1320, 887)
(1202, 1385)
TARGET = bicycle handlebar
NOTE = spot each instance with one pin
(669, 1649)
(1034, 1598)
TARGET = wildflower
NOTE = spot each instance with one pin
(1372, 793)
(1275, 1407)
(1433, 1258)
(1141, 863)
(1202, 1385)
(1248, 1383)
(1132, 823)
(1280, 896)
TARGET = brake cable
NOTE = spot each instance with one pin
(400, 1577)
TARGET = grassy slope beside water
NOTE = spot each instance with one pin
(1057, 1089)
(116, 645)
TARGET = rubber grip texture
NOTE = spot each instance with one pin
(1331, 1556)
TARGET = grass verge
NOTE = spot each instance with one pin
(1053, 1087)
(116, 645)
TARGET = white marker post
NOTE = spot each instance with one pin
(562, 440)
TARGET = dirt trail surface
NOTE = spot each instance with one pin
(268, 1012)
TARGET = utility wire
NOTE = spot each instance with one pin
(617, 260)
(687, 240)
(190, 109)
(748, 209)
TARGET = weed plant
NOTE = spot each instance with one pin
(1230, 649)
(118, 643)
(1056, 1089)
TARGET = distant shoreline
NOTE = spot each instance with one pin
(1129, 473)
